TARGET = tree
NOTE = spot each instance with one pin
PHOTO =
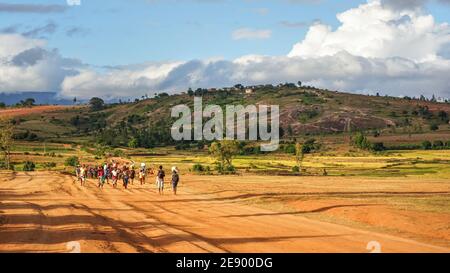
(133, 143)
(74, 100)
(72, 161)
(299, 155)
(438, 144)
(434, 127)
(190, 92)
(426, 145)
(299, 84)
(6, 140)
(224, 151)
(361, 141)
(443, 116)
(28, 102)
(378, 147)
(290, 131)
(2, 105)
(96, 104)
(433, 98)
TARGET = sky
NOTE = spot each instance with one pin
(120, 49)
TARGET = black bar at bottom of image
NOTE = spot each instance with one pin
(227, 262)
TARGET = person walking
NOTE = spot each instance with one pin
(100, 177)
(83, 175)
(175, 179)
(115, 177)
(160, 180)
(126, 178)
(132, 175)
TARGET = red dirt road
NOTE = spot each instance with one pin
(43, 212)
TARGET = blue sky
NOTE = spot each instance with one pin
(122, 32)
(183, 36)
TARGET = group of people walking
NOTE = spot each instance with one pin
(113, 172)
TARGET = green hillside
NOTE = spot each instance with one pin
(305, 111)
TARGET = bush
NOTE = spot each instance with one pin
(72, 161)
(289, 149)
(119, 153)
(295, 169)
(426, 145)
(29, 166)
(228, 169)
(378, 147)
(198, 168)
(434, 127)
(49, 165)
(438, 144)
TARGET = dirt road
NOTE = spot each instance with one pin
(44, 212)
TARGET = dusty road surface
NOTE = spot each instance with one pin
(47, 212)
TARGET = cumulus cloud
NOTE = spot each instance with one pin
(341, 71)
(374, 31)
(26, 66)
(375, 49)
(409, 4)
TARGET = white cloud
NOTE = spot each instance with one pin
(376, 31)
(12, 44)
(250, 34)
(119, 82)
(375, 49)
(26, 66)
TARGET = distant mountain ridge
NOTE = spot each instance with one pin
(40, 98)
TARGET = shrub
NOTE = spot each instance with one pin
(438, 144)
(295, 169)
(49, 165)
(198, 168)
(378, 147)
(227, 169)
(434, 127)
(29, 166)
(289, 149)
(426, 145)
(118, 153)
(72, 161)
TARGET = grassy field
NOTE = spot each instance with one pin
(425, 163)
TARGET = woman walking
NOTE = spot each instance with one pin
(175, 179)
(101, 177)
(115, 177)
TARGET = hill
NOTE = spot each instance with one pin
(304, 111)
